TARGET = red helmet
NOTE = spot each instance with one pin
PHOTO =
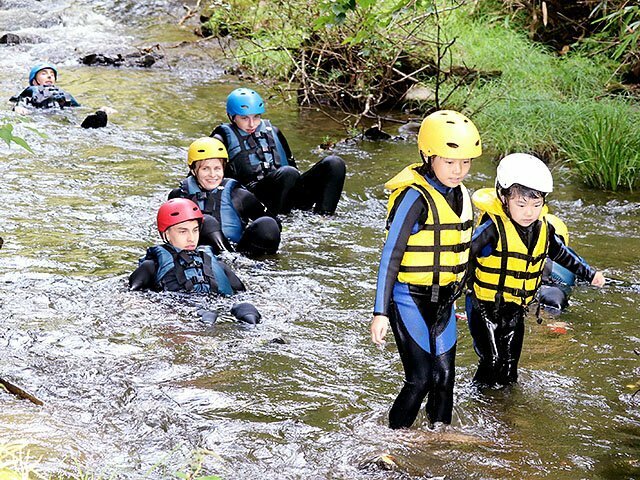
(177, 210)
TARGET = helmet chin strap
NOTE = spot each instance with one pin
(426, 162)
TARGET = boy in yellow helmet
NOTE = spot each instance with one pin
(423, 263)
(508, 253)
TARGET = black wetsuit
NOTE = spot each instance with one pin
(262, 161)
(44, 97)
(498, 329)
(424, 330)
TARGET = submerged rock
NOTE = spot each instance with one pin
(10, 39)
(137, 59)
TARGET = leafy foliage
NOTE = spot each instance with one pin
(6, 134)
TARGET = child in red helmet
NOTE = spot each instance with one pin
(179, 265)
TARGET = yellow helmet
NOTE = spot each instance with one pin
(205, 148)
(449, 134)
(559, 226)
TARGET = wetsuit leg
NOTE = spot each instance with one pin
(497, 339)
(511, 335)
(275, 188)
(483, 327)
(261, 237)
(320, 187)
(425, 335)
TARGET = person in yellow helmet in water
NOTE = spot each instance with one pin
(508, 253)
(233, 216)
(423, 263)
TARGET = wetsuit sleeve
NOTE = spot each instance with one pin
(72, 101)
(483, 242)
(144, 276)
(175, 193)
(219, 133)
(410, 210)
(287, 149)
(236, 283)
(23, 99)
(562, 255)
(247, 205)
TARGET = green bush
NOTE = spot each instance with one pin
(605, 149)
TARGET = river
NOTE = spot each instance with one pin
(135, 386)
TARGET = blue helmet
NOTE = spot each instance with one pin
(41, 66)
(244, 101)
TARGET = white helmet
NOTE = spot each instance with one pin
(525, 169)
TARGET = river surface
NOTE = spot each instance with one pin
(135, 386)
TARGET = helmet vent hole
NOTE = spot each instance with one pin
(451, 122)
(201, 150)
(452, 145)
(477, 142)
(174, 214)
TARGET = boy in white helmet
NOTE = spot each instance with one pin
(508, 253)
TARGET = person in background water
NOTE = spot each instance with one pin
(261, 160)
(423, 263)
(179, 265)
(42, 93)
(226, 205)
(557, 281)
(508, 253)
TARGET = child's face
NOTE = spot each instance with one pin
(209, 173)
(523, 210)
(450, 171)
(184, 235)
(45, 77)
(248, 123)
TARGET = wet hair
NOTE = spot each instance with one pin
(517, 190)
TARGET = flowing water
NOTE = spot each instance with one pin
(135, 386)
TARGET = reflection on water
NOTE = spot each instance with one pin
(135, 383)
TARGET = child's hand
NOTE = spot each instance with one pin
(379, 327)
(598, 280)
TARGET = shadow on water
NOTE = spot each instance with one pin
(134, 383)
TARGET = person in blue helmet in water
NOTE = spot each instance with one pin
(43, 93)
(508, 253)
(261, 160)
(227, 206)
(179, 265)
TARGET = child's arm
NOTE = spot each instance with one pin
(559, 253)
(483, 243)
(143, 277)
(410, 210)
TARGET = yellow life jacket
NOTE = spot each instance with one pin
(510, 271)
(438, 253)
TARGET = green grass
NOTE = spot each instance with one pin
(554, 106)
(605, 149)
